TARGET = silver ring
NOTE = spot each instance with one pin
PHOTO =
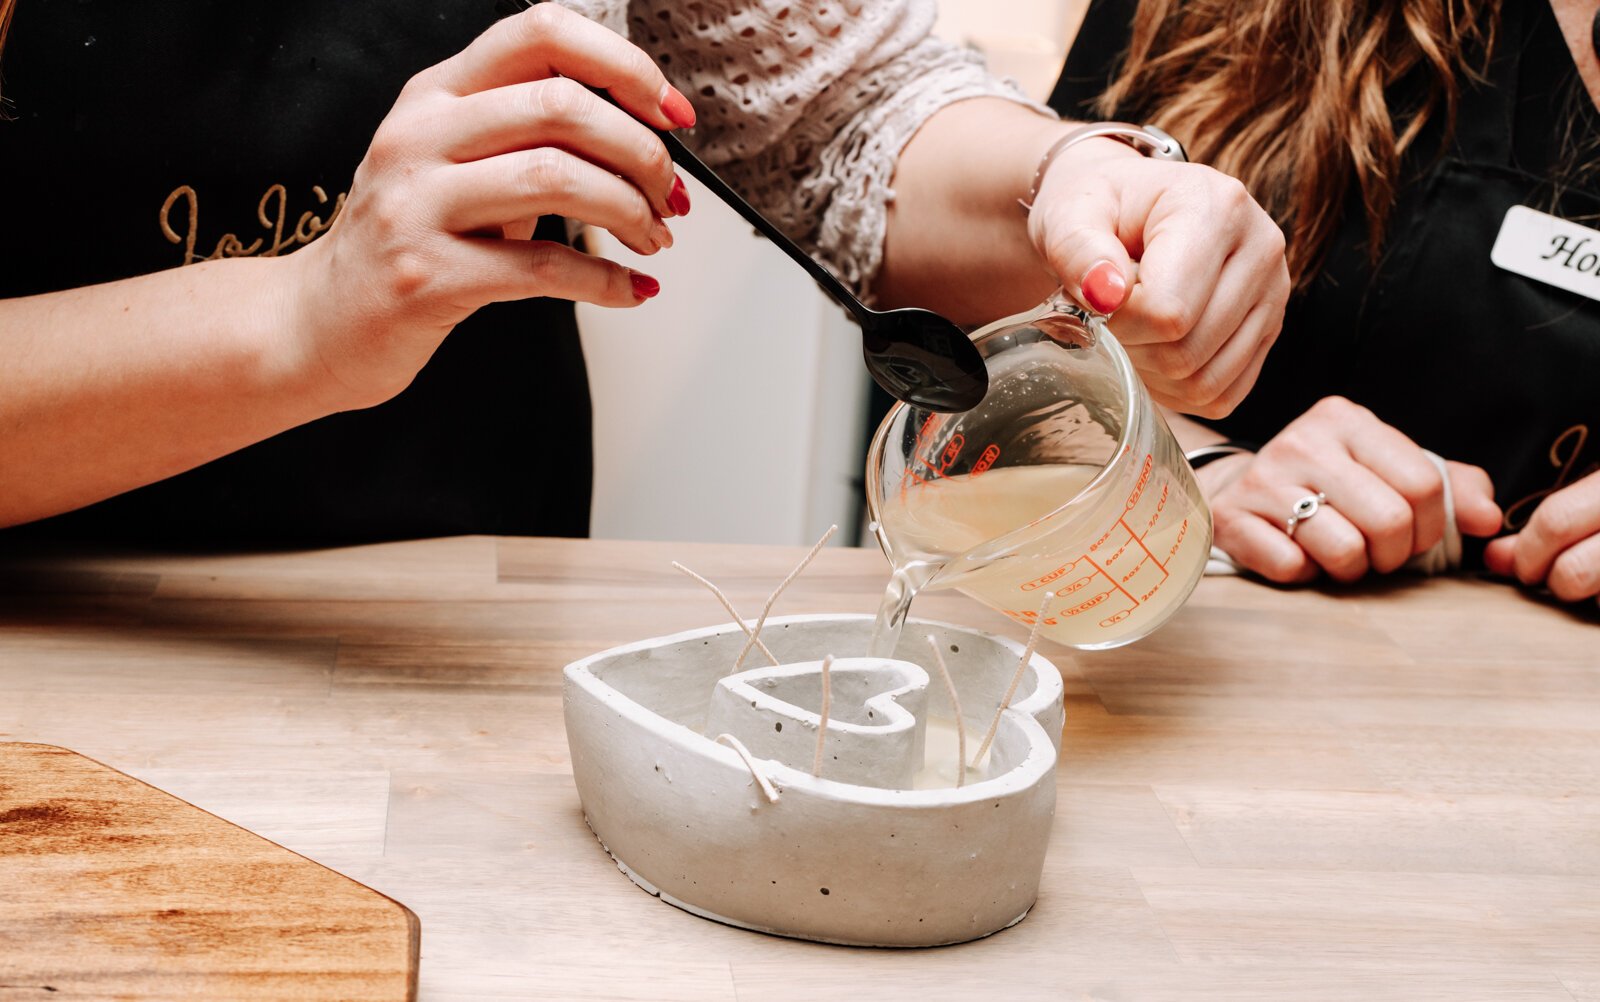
(1304, 509)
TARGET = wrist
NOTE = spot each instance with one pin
(1080, 146)
(1214, 477)
(297, 337)
(1218, 464)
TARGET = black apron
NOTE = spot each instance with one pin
(146, 135)
(1475, 363)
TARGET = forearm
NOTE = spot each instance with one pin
(957, 240)
(109, 387)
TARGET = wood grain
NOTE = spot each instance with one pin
(115, 890)
(1386, 792)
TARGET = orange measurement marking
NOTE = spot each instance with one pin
(1145, 548)
(1113, 582)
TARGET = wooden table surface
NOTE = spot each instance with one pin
(1391, 792)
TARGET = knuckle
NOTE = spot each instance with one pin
(1389, 520)
(1209, 384)
(409, 276)
(1337, 408)
(640, 216)
(546, 263)
(543, 24)
(1175, 360)
(1476, 475)
(1421, 484)
(1168, 317)
(558, 99)
(1231, 193)
(547, 173)
(386, 218)
(384, 150)
(1575, 575)
(1227, 518)
(418, 83)
(1273, 241)
(1294, 443)
(1283, 570)
(619, 286)
(1555, 519)
(1345, 562)
(655, 159)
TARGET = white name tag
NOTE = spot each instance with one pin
(1549, 249)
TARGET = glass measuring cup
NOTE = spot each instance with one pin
(1065, 479)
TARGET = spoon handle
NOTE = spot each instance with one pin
(696, 168)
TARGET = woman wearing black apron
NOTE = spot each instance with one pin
(1489, 364)
(305, 391)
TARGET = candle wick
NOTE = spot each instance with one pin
(767, 789)
(955, 707)
(827, 706)
(1016, 679)
(728, 606)
(773, 599)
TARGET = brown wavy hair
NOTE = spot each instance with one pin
(1293, 97)
(7, 7)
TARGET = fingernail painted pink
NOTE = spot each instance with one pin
(644, 287)
(1104, 288)
(677, 108)
(678, 198)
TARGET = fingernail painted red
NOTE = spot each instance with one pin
(644, 287)
(677, 108)
(678, 198)
(1104, 288)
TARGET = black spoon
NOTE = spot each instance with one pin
(916, 355)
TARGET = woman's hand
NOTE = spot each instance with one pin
(475, 149)
(1385, 498)
(1560, 546)
(1211, 279)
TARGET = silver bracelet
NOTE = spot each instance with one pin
(1211, 453)
(1147, 139)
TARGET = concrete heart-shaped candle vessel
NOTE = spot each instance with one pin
(859, 856)
(875, 733)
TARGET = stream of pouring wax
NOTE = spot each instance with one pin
(928, 528)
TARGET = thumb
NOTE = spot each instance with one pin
(1470, 488)
(1077, 235)
(1500, 556)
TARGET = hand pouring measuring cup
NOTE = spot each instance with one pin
(1065, 479)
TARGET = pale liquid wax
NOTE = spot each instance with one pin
(942, 757)
(1110, 581)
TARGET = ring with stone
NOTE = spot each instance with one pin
(1304, 509)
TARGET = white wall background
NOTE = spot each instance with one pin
(731, 408)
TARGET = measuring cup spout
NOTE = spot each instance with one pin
(1064, 479)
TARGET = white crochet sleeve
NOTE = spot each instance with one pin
(805, 105)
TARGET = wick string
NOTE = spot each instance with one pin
(827, 706)
(728, 606)
(1016, 679)
(772, 600)
(750, 763)
(955, 706)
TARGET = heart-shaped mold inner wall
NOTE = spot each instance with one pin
(875, 727)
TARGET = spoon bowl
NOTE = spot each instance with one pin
(925, 360)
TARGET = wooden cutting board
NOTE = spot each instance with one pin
(111, 889)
